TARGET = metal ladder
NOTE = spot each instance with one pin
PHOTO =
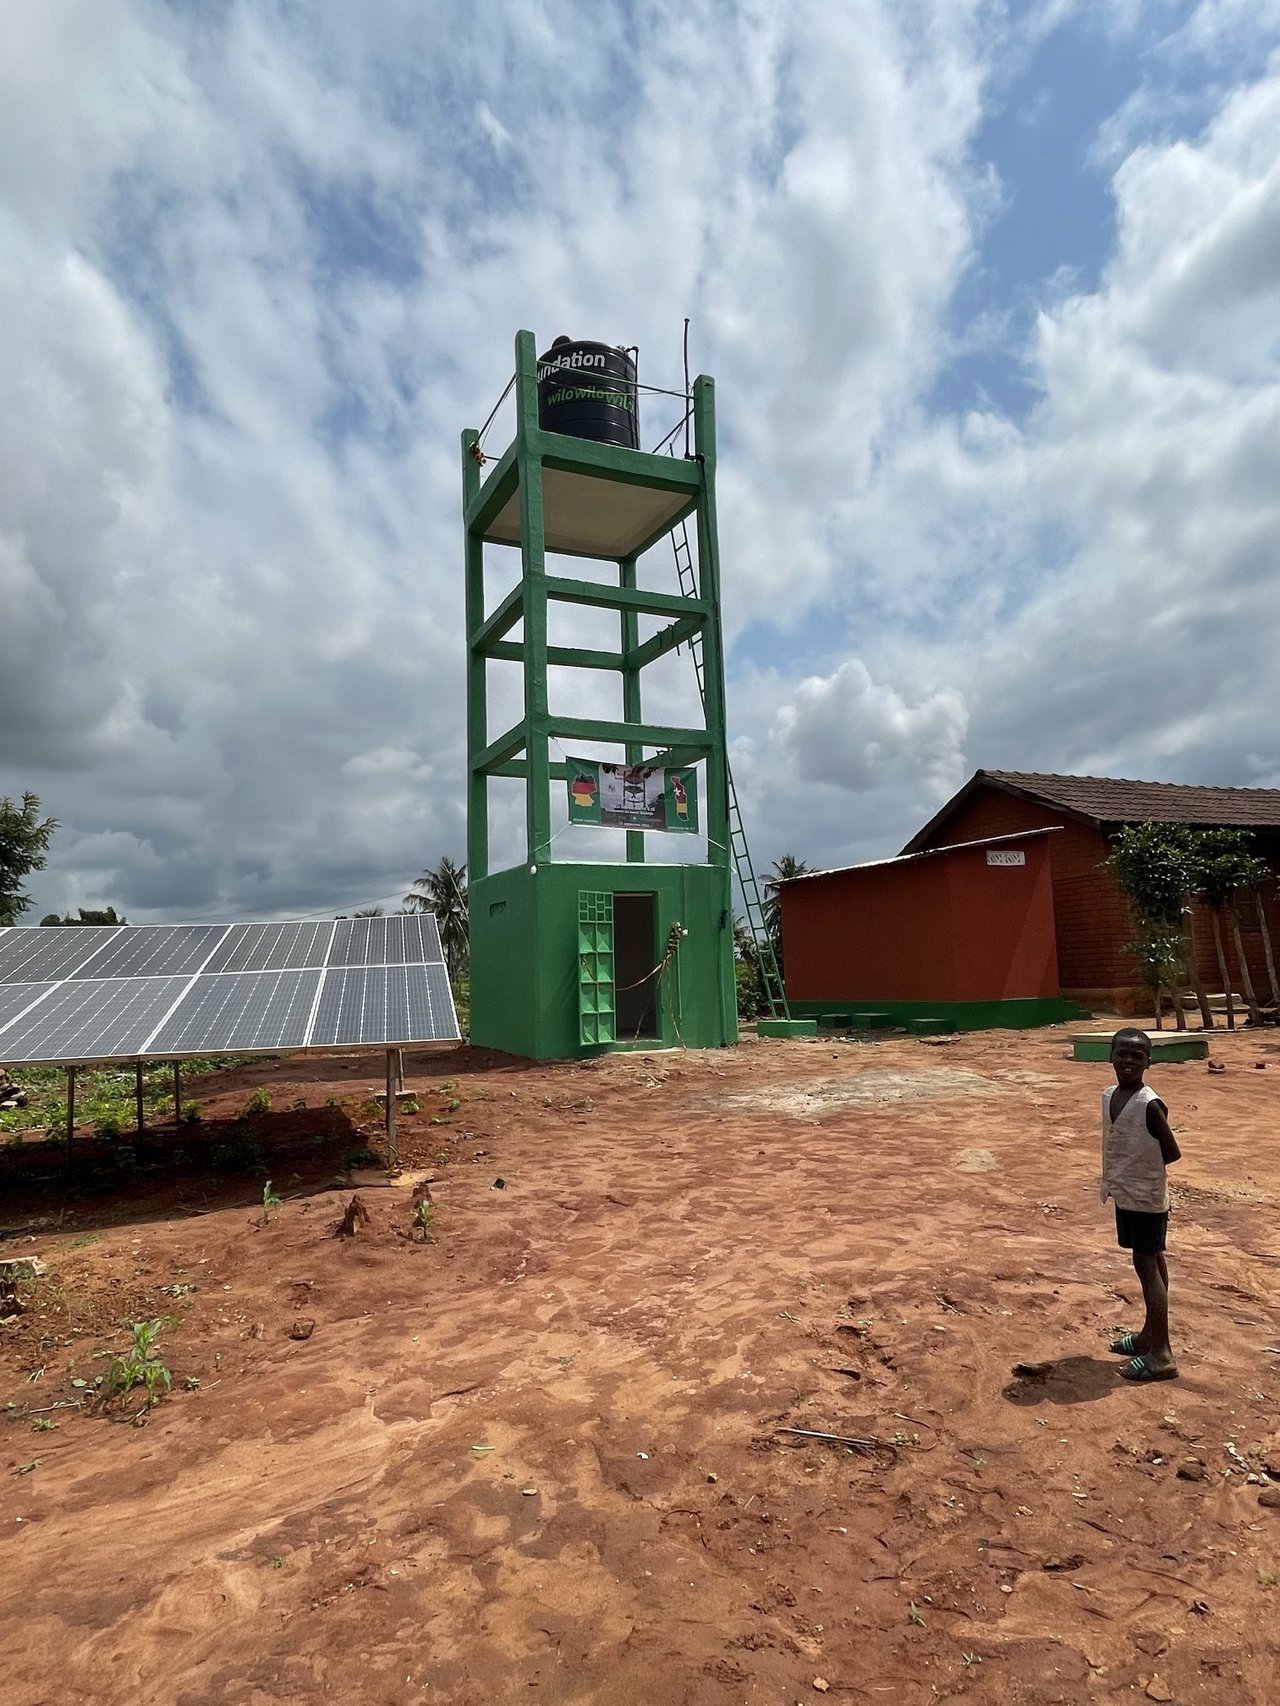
(770, 973)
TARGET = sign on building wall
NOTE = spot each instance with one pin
(633, 796)
(1005, 856)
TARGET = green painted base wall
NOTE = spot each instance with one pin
(524, 956)
(964, 1015)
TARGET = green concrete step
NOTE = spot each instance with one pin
(870, 1021)
(924, 1026)
(786, 1027)
(1165, 1045)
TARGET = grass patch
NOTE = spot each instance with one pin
(106, 1099)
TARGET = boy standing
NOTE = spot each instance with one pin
(1137, 1146)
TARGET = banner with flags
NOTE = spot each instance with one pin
(633, 796)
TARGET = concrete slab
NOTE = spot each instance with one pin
(1165, 1045)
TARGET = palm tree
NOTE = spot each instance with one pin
(783, 870)
(443, 891)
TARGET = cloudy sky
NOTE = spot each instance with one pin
(992, 298)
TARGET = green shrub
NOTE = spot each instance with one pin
(241, 1155)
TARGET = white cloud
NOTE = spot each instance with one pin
(259, 265)
(851, 732)
(1099, 577)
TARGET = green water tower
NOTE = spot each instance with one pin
(571, 957)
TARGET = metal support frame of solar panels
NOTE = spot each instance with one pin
(87, 994)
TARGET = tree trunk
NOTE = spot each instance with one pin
(1197, 983)
(1159, 994)
(1223, 973)
(1175, 998)
(1266, 948)
(1246, 981)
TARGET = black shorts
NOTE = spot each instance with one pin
(1145, 1233)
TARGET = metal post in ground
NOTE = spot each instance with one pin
(137, 1092)
(177, 1092)
(71, 1110)
(391, 1108)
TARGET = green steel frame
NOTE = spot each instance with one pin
(531, 475)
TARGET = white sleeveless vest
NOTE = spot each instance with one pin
(1133, 1169)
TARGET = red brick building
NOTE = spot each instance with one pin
(1091, 918)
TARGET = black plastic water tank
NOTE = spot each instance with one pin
(589, 391)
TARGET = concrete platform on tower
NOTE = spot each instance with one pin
(594, 513)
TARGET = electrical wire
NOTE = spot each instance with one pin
(476, 451)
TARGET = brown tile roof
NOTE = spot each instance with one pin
(1109, 799)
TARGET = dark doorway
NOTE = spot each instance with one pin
(635, 954)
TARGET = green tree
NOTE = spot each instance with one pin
(1156, 865)
(1263, 881)
(104, 915)
(443, 891)
(1159, 957)
(1252, 874)
(24, 842)
(1227, 871)
(746, 972)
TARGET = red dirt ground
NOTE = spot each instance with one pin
(536, 1458)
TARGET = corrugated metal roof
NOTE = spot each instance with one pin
(929, 853)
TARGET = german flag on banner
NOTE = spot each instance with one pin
(633, 796)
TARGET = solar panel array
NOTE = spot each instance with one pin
(93, 992)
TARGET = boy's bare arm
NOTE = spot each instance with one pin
(1158, 1126)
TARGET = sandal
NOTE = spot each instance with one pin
(1125, 1346)
(1140, 1369)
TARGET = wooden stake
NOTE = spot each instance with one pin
(832, 1439)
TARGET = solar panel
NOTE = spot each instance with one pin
(363, 1004)
(99, 992)
(155, 951)
(87, 1020)
(413, 939)
(15, 998)
(30, 956)
(272, 947)
(238, 1010)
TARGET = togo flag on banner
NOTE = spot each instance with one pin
(633, 796)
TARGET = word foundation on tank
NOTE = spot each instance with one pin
(579, 358)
